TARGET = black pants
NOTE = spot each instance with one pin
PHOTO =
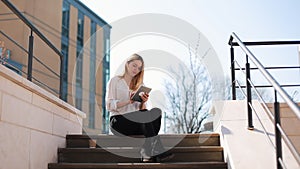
(144, 122)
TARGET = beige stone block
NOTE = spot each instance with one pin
(42, 102)
(43, 149)
(76, 118)
(14, 147)
(40, 119)
(60, 126)
(61, 112)
(291, 126)
(15, 89)
(0, 104)
(74, 128)
(11, 75)
(288, 158)
(296, 142)
(2, 81)
(15, 111)
(40, 91)
(98, 118)
(59, 108)
(285, 110)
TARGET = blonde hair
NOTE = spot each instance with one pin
(137, 80)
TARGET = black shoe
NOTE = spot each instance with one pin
(164, 157)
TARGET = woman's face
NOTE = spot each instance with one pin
(134, 67)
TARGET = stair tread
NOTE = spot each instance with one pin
(202, 151)
(83, 136)
(142, 165)
(122, 149)
(178, 140)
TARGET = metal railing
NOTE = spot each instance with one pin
(279, 133)
(34, 30)
(22, 49)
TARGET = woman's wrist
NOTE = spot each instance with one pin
(142, 105)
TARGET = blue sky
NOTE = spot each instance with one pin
(251, 20)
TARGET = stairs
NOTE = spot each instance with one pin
(201, 151)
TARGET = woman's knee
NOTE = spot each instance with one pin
(156, 112)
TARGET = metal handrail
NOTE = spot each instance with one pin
(279, 133)
(31, 26)
(72, 42)
(277, 67)
(268, 76)
(264, 43)
(24, 50)
(41, 36)
(14, 42)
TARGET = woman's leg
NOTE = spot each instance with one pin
(150, 121)
(152, 149)
(122, 126)
(145, 123)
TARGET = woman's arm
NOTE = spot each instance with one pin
(124, 103)
(142, 106)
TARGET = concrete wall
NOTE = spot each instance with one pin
(33, 123)
(248, 149)
(290, 123)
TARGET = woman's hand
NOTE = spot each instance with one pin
(144, 97)
(131, 101)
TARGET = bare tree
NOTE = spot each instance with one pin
(189, 96)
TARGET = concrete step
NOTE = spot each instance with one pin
(178, 165)
(171, 140)
(131, 154)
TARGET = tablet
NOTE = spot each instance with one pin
(141, 90)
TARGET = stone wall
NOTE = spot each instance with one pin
(290, 123)
(33, 123)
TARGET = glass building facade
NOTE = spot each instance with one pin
(87, 86)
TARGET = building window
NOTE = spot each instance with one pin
(92, 75)
(65, 47)
(65, 52)
(105, 79)
(79, 60)
(65, 18)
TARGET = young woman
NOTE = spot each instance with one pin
(130, 117)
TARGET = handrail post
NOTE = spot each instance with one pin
(233, 89)
(249, 97)
(277, 132)
(30, 57)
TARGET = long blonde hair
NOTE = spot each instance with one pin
(137, 80)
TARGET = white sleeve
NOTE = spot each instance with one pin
(111, 95)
